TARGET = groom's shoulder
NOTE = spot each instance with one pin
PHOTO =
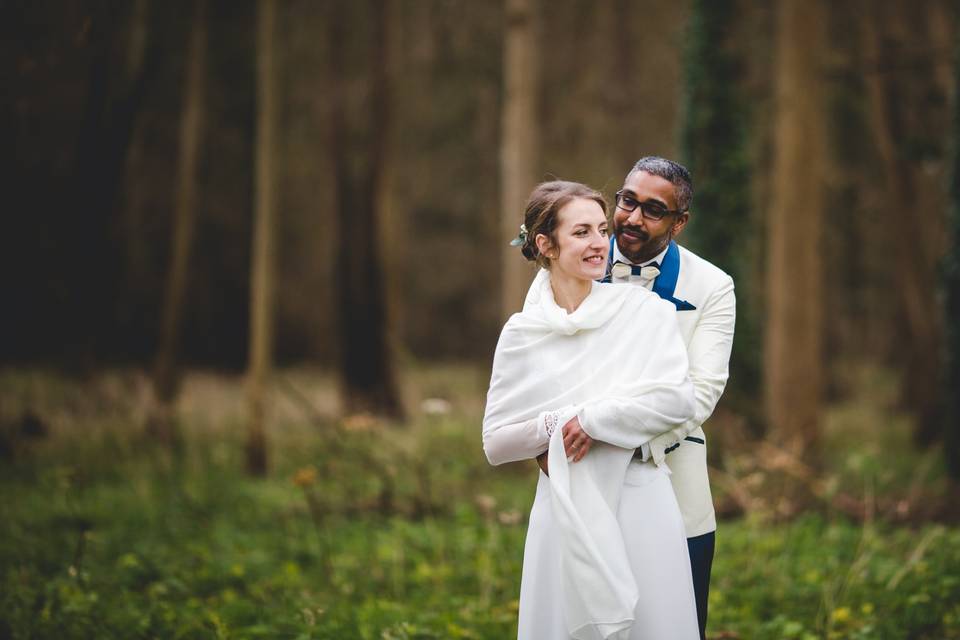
(702, 270)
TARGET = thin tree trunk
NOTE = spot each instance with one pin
(137, 43)
(262, 267)
(951, 308)
(519, 143)
(793, 362)
(166, 376)
(391, 242)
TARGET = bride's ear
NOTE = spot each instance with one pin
(544, 245)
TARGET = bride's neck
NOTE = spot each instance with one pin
(569, 292)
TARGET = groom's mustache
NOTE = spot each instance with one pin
(635, 231)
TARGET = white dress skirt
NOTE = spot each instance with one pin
(656, 546)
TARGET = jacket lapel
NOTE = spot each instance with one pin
(666, 283)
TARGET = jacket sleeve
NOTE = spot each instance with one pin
(665, 399)
(709, 354)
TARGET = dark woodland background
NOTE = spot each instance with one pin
(254, 261)
(130, 179)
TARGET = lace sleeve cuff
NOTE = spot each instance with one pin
(550, 421)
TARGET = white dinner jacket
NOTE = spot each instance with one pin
(707, 330)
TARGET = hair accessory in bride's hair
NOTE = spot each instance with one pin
(520, 239)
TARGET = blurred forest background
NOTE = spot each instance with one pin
(269, 239)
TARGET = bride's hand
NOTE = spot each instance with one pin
(576, 442)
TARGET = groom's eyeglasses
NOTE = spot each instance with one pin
(651, 210)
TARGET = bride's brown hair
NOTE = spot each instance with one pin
(543, 207)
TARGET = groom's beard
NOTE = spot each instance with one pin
(644, 247)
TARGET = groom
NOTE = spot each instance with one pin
(652, 208)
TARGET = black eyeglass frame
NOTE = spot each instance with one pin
(660, 213)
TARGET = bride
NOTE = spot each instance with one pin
(590, 372)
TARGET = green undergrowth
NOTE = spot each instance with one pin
(377, 532)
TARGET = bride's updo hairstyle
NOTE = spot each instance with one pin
(542, 213)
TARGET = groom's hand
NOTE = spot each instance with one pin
(576, 441)
(542, 461)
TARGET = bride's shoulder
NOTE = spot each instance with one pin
(518, 323)
(513, 323)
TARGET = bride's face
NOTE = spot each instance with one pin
(581, 245)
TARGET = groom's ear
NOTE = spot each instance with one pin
(679, 224)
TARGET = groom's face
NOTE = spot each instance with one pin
(638, 237)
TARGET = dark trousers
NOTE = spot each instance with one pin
(701, 560)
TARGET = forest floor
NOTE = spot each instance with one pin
(379, 531)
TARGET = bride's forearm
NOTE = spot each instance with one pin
(512, 442)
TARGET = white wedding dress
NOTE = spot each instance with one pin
(656, 547)
(605, 555)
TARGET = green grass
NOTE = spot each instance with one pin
(387, 533)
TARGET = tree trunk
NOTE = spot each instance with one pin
(262, 266)
(367, 378)
(110, 114)
(166, 375)
(793, 362)
(951, 314)
(912, 267)
(519, 143)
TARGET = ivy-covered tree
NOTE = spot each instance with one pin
(715, 149)
(951, 286)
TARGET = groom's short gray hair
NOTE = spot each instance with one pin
(674, 173)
